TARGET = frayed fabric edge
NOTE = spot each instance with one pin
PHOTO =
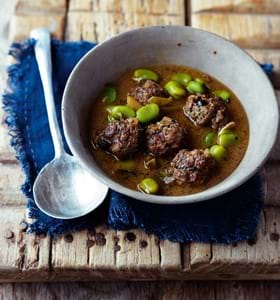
(10, 98)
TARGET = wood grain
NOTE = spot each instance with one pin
(102, 247)
(166, 290)
(157, 7)
(21, 256)
(170, 256)
(10, 185)
(70, 252)
(37, 255)
(247, 30)
(99, 20)
(40, 7)
(99, 26)
(137, 251)
(30, 14)
(200, 256)
(21, 25)
(239, 6)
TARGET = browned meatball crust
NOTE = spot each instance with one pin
(164, 137)
(205, 110)
(191, 166)
(145, 89)
(120, 138)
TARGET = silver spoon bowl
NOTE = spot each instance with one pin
(63, 189)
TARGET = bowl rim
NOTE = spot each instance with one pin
(161, 199)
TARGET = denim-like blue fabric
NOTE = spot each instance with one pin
(232, 217)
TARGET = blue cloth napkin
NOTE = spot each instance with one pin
(232, 217)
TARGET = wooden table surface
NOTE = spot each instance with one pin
(108, 254)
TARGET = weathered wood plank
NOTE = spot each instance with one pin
(12, 242)
(99, 20)
(247, 290)
(31, 7)
(200, 256)
(164, 7)
(170, 254)
(240, 6)
(70, 252)
(137, 251)
(21, 25)
(80, 5)
(103, 245)
(188, 290)
(247, 30)
(98, 26)
(37, 255)
(186, 256)
(11, 180)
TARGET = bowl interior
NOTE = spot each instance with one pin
(182, 46)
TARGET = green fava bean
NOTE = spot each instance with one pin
(227, 139)
(109, 94)
(175, 89)
(182, 78)
(122, 111)
(222, 94)
(218, 152)
(145, 74)
(147, 113)
(195, 86)
(148, 186)
(210, 139)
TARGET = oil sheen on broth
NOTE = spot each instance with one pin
(195, 135)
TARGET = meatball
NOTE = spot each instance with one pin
(206, 110)
(164, 137)
(145, 89)
(191, 166)
(120, 138)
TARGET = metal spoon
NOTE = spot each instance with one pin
(63, 189)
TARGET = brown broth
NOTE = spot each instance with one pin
(98, 121)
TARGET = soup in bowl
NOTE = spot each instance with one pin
(169, 114)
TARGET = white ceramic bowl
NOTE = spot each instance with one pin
(172, 45)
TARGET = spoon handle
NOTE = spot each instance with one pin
(43, 57)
